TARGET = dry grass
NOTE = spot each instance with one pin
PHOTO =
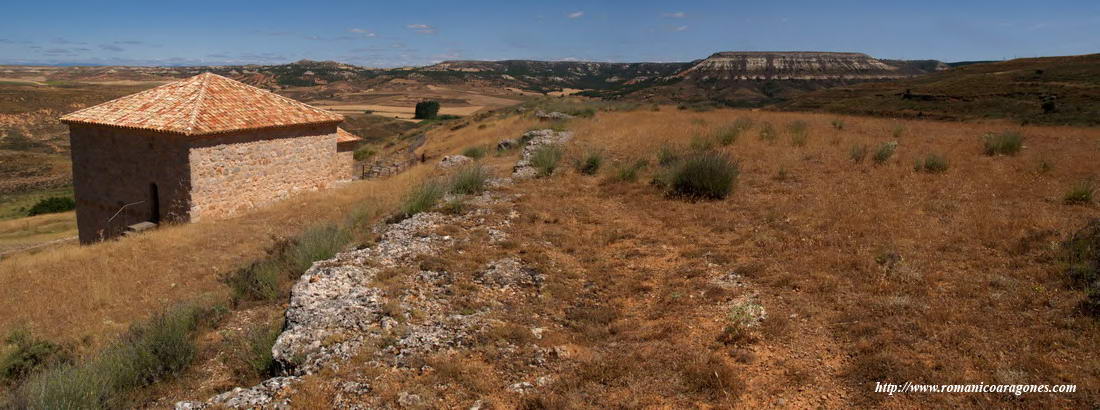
(868, 272)
(964, 277)
(75, 292)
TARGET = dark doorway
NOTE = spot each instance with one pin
(154, 201)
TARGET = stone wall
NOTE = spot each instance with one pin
(346, 166)
(114, 174)
(234, 173)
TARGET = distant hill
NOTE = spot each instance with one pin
(741, 78)
(736, 78)
(1047, 90)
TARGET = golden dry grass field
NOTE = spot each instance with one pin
(869, 272)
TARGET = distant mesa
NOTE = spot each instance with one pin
(797, 65)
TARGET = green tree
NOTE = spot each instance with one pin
(426, 110)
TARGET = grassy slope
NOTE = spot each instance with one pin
(1011, 89)
(868, 272)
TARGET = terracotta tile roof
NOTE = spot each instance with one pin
(204, 104)
(344, 136)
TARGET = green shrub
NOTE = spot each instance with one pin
(1005, 143)
(667, 155)
(426, 110)
(52, 205)
(884, 152)
(628, 173)
(420, 199)
(469, 180)
(1080, 193)
(932, 163)
(858, 152)
(767, 132)
(545, 159)
(28, 355)
(475, 152)
(838, 124)
(704, 175)
(590, 164)
(147, 353)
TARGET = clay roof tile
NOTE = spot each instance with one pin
(204, 104)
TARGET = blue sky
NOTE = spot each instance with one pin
(398, 33)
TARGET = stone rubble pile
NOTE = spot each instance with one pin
(534, 140)
(554, 115)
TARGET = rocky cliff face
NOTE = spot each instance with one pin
(800, 65)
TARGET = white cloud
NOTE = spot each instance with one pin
(364, 32)
(676, 15)
(422, 28)
(679, 28)
(575, 14)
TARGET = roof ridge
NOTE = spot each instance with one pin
(197, 106)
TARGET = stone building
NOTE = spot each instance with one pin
(203, 147)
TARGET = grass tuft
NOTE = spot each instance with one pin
(1005, 143)
(932, 164)
(475, 152)
(469, 180)
(884, 152)
(858, 152)
(704, 175)
(420, 199)
(1080, 193)
(1081, 256)
(315, 244)
(258, 281)
(898, 131)
(728, 135)
(628, 173)
(253, 352)
(667, 155)
(147, 353)
(799, 133)
(767, 132)
(545, 159)
(27, 355)
(590, 164)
